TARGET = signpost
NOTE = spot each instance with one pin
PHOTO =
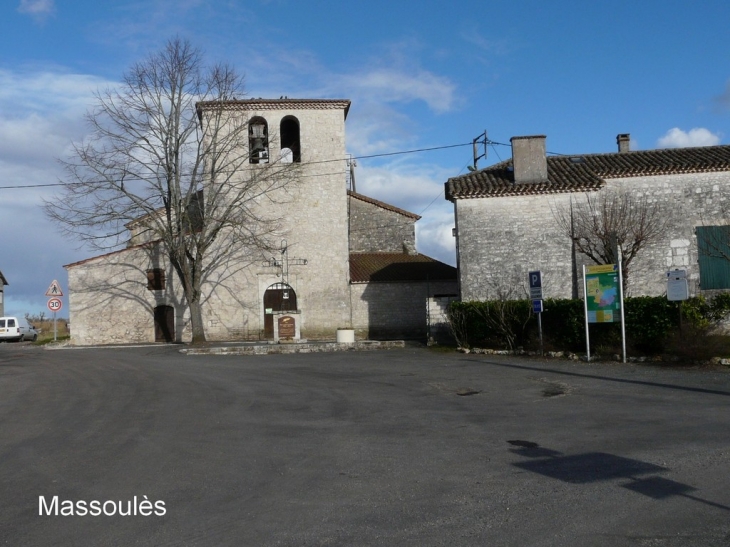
(603, 298)
(535, 281)
(54, 303)
(678, 290)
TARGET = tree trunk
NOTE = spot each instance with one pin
(196, 320)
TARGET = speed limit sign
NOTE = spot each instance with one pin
(55, 304)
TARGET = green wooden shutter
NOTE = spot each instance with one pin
(713, 246)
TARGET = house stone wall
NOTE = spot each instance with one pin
(500, 239)
(689, 200)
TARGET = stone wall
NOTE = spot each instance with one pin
(109, 301)
(375, 229)
(313, 213)
(394, 310)
(500, 239)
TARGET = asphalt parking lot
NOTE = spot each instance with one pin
(400, 447)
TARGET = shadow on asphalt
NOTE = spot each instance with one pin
(598, 466)
(596, 377)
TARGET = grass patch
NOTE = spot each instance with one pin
(49, 340)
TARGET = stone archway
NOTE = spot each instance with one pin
(278, 297)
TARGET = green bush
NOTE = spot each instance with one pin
(649, 320)
(563, 324)
(652, 323)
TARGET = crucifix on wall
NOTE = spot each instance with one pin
(283, 262)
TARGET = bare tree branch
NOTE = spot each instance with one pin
(601, 223)
(173, 172)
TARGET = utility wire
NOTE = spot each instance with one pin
(370, 156)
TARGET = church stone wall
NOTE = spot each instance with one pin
(109, 302)
(108, 297)
(375, 229)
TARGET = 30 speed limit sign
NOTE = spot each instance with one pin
(55, 304)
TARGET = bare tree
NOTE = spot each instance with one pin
(507, 313)
(604, 222)
(168, 158)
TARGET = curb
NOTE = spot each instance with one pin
(267, 349)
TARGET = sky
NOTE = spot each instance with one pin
(420, 75)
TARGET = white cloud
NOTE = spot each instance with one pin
(409, 186)
(434, 235)
(418, 189)
(391, 85)
(486, 45)
(723, 100)
(699, 136)
(40, 10)
(41, 113)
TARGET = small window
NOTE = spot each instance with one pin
(156, 279)
(2, 323)
(258, 140)
(291, 150)
(713, 250)
(11, 322)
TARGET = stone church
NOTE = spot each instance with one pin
(345, 260)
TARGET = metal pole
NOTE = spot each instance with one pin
(55, 330)
(621, 303)
(539, 329)
(585, 309)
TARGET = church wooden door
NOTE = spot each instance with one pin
(278, 297)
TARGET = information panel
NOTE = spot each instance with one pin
(602, 293)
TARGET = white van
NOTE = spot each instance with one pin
(16, 328)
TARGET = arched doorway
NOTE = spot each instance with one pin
(164, 324)
(278, 297)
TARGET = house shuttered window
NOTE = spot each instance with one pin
(156, 279)
(713, 250)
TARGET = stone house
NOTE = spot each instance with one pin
(132, 295)
(506, 217)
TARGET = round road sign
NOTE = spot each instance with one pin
(55, 304)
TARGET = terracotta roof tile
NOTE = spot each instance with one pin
(398, 267)
(588, 172)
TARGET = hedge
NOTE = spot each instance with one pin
(650, 321)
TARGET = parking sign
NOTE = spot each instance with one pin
(535, 280)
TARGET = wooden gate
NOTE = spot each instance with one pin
(278, 297)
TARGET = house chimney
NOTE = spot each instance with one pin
(529, 160)
(624, 141)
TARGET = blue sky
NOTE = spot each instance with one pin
(419, 74)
